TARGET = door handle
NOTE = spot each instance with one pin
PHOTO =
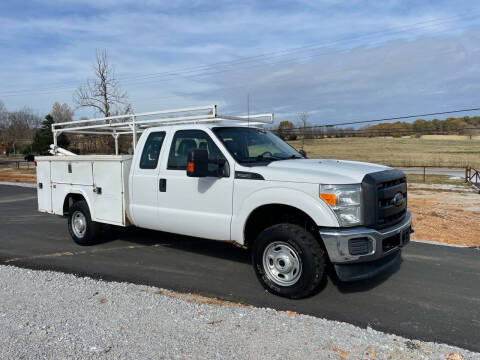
(162, 185)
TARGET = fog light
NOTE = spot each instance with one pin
(359, 246)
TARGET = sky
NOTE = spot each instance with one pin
(335, 60)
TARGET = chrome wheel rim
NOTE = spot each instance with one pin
(281, 263)
(79, 224)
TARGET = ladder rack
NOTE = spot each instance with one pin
(137, 123)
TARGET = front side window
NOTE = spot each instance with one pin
(184, 141)
(151, 150)
(251, 146)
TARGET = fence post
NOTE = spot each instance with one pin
(466, 174)
(424, 173)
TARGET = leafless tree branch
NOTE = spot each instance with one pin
(103, 93)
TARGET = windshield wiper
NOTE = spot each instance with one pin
(269, 158)
(286, 157)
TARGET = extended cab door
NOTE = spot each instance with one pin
(144, 181)
(199, 207)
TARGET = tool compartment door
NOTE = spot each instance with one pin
(108, 199)
(44, 187)
(72, 172)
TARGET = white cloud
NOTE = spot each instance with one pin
(357, 77)
(398, 78)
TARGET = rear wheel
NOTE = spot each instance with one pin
(82, 229)
(288, 261)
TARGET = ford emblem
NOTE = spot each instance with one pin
(398, 199)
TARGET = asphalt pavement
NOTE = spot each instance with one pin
(433, 294)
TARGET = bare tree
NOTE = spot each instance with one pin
(471, 132)
(3, 123)
(103, 93)
(20, 127)
(3, 110)
(61, 112)
(303, 119)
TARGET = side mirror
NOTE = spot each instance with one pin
(197, 163)
(303, 153)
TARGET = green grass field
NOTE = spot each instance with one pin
(435, 150)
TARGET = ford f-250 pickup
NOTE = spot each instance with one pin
(225, 178)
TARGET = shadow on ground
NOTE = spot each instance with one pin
(230, 252)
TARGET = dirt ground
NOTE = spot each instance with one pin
(445, 213)
(11, 174)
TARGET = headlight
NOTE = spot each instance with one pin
(345, 201)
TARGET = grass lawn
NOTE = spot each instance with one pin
(435, 150)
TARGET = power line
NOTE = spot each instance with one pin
(206, 72)
(279, 81)
(414, 26)
(389, 130)
(386, 119)
(207, 69)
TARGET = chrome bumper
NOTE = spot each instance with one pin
(337, 241)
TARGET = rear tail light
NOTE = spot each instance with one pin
(35, 164)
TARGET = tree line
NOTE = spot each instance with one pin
(466, 125)
(24, 131)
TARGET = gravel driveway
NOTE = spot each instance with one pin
(53, 315)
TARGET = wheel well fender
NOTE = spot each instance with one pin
(285, 203)
(268, 215)
(71, 198)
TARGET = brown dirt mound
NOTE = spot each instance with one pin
(446, 216)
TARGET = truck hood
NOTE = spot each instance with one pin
(319, 171)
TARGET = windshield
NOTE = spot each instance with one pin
(252, 146)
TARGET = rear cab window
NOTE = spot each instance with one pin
(151, 150)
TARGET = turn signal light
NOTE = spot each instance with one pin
(190, 167)
(330, 199)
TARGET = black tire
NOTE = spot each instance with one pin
(306, 248)
(91, 233)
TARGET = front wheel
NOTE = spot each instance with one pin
(82, 229)
(288, 261)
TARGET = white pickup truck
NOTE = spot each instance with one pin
(225, 178)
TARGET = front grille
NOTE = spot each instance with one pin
(389, 212)
(385, 198)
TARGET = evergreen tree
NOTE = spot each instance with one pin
(44, 137)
